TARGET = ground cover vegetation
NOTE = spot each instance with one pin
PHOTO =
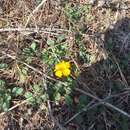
(64, 65)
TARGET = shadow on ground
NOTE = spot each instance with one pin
(108, 79)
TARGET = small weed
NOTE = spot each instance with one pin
(22, 74)
(82, 54)
(30, 52)
(55, 51)
(3, 66)
(38, 1)
(36, 95)
(58, 90)
(16, 91)
(6, 95)
(75, 13)
(83, 100)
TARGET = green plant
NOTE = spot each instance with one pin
(82, 55)
(16, 91)
(38, 1)
(6, 95)
(36, 95)
(58, 90)
(75, 13)
(3, 65)
(83, 100)
(30, 51)
(22, 74)
(55, 51)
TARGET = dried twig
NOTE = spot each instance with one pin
(17, 105)
(125, 43)
(31, 67)
(20, 29)
(34, 11)
(120, 71)
(86, 108)
(90, 106)
(50, 113)
(44, 85)
(52, 31)
(104, 103)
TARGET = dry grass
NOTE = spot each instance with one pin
(100, 33)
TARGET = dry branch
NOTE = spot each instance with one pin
(104, 102)
(52, 31)
(34, 11)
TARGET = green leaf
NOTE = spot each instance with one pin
(45, 56)
(28, 52)
(57, 96)
(63, 47)
(33, 46)
(29, 97)
(8, 97)
(2, 83)
(83, 99)
(125, 123)
(50, 42)
(36, 88)
(24, 70)
(110, 44)
(6, 102)
(22, 77)
(79, 119)
(68, 100)
(17, 91)
(60, 38)
(38, 1)
(5, 106)
(3, 66)
(29, 60)
(44, 97)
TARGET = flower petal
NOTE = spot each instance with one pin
(66, 72)
(67, 64)
(58, 74)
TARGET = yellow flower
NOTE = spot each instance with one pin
(66, 72)
(62, 69)
(58, 74)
